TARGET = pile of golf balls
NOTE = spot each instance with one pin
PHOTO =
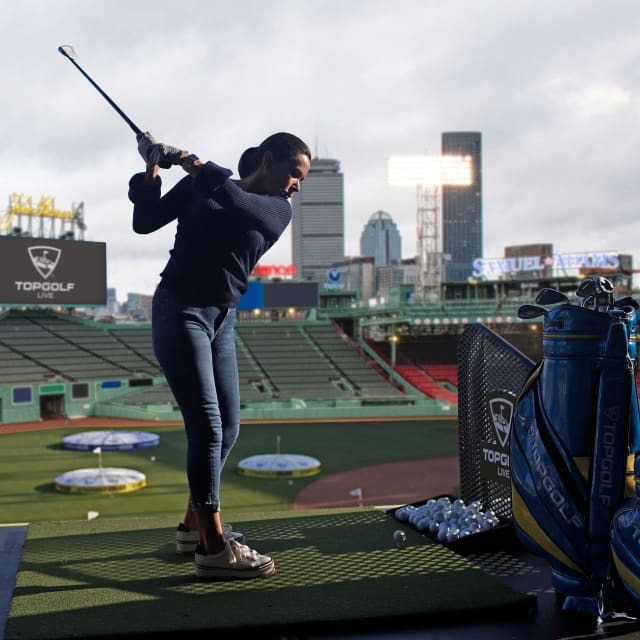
(448, 520)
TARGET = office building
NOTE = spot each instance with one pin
(139, 306)
(462, 209)
(355, 275)
(393, 276)
(112, 302)
(317, 227)
(381, 240)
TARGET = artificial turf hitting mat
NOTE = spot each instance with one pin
(334, 569)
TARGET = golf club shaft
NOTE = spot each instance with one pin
(122, 114)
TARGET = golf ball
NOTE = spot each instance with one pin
(399, 537)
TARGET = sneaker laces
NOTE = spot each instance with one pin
(243, 551)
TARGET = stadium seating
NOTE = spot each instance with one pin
(18, 368)
(355, 368)
(420, 379)
(137, 341)
(277, 362)
(447, 373)
(313, 362)
(29, 336)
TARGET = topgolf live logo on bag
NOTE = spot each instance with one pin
(52, 272)
(494, 452)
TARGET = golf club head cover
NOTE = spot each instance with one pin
(153, 152)
(570, 439)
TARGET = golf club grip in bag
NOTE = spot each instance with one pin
(573, 428)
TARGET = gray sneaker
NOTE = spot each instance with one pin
(187, 539)
(235, 561)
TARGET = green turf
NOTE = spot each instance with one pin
(122, 577)
(30, 462)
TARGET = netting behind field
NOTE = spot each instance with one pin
(491, 373)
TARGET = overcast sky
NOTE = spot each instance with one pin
(552, 85)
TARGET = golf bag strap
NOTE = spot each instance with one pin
(610, 459)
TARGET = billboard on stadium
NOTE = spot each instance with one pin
(58, 272)
(280, 295)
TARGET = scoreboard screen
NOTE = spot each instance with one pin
(58, 272)
(280, 295)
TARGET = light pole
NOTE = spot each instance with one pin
(429, 174)
(393, 339)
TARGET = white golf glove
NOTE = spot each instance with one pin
(153, 152)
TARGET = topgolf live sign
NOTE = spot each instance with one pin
(44, 271)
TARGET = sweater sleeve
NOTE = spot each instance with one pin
(270, 214)
(151, 211)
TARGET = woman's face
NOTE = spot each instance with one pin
(284, 178)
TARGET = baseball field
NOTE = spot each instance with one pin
(31, 459)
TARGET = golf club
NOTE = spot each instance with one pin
(604, 284)
(627, 301)
(68, 52)
(551, 296)
(604, 294)
(586, 288)
(529, 311)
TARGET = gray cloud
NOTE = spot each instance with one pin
(551, 85)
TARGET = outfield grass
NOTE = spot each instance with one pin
(30, 462)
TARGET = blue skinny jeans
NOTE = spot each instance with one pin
(195, 347)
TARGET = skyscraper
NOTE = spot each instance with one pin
(381, 240)
(317, 227)
(462, 209)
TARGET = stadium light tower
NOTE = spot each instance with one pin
(429, 174)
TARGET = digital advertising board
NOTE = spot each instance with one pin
(280, 295)
(57, 272)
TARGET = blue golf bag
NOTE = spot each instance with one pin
(574, 433)
(625, 540)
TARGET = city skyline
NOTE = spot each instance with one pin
(317, 224)
(381, 240)
(550, 86)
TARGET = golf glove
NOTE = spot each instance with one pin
(153, 152)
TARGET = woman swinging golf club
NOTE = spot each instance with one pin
(224, 226)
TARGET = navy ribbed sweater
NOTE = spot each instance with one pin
(221, 234)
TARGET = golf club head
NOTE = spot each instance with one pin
(627, 301)
(67, 51)
(586, 288)
(529, 311)
(626, 311)
(604, 284)
(589, 302)
(547, 295)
